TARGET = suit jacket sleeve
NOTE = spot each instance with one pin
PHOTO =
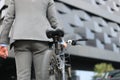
(51, 14)
(7, 23)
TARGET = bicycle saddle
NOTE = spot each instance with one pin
(55, 33)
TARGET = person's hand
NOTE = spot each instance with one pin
(3, 52)
(64, 44)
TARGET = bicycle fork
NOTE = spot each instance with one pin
(69, 72)
(65, 67)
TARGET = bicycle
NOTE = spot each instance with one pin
(54, 63)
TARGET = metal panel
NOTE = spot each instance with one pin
(95, 9)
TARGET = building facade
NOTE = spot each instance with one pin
(96, 20)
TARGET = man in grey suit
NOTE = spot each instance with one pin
(26, 22)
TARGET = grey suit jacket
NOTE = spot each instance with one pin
(28, 20)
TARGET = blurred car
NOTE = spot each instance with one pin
(113, 75)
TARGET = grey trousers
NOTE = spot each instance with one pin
(26, 52)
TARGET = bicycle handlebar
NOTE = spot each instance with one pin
(74, 42)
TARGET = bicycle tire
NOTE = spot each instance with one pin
(50, 70)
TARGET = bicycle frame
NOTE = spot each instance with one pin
(59, 51)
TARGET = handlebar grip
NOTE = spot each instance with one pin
(82, 40)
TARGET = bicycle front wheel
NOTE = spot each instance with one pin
(50, 69)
